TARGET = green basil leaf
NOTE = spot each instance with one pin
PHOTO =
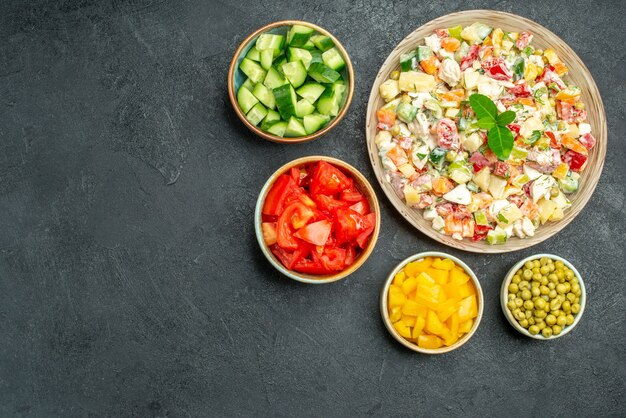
(500, 140)
(483, 106)
(518, 68)
(505, 118)
(486, 123)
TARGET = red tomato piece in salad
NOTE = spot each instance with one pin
(575, 160)
(315, 233)
(328, 179)
(569, 113)
(496, 68)
(470, 57)
(447, 134)
(523, 39)
(295, 216)
(275, 200)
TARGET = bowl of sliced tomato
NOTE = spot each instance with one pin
(317, 219)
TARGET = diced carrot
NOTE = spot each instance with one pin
(386, 116)
(430, 65)
(398, 156)
(568, 95)
(526, 101)
(450, 44)
(453, 96)
(441, 185)
(560, 69)
(573, 144)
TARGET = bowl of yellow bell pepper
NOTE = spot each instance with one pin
(432, 303)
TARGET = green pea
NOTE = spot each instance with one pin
(561, 289)
(546, 332)
(540, 304)
(537, 277)
(544, 281)
(568, 287)
(541, 325)
(535, 270)
(535, 291)
(559, 274)
(537, 263)
(519, 302)
(524, 323)
(540, 313)
(575, 308)
(571, 297)
(533, 329)
(553, 278)
(556, 329)
(559, 264)
(552, 294)
(516, 279)
(545, 297)
(561, 320)
(529, 264)
(511, 296)
(528, 304)
(569, 319)
(566, 306)
(555, 304)
(529, 314)
(550, 319)
(544, 260)
(569, 274)
(524, 285)
(531, 321)
(519, 315)
(511, 305)
(556, 313)
(544, 290)
(526, 295)
(544, 269)
(528, 274)
(551, 267)
(513, 288)
(576, 289)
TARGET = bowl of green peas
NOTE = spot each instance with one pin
(543, 296)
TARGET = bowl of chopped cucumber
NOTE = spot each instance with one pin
(290, 81)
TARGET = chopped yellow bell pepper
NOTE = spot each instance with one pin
(402, 329)
(409, 286)
(423, 279)
(458, 276)
(398, 279)
(410, 307)
(420, 322)
(416, 267)
(396, 297)
(443, 264)
(446, 309)
(440, 276)
(466, 326)
(468, 308)
(429, 341)
(395, 314)
(409, 320)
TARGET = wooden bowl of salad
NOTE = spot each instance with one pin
(317, 219)
(290, 81)
(486, 131)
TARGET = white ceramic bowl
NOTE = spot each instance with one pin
(509, 315)
(384, 311)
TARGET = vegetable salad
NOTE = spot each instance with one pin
(482, 132)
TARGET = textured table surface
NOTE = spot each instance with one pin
(131, 282)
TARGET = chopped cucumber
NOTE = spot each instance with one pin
(303, 108)
(295, 72)
(455, 32)
(314, 122)
(285, 101)
(299, 35)
(408, 61)
(299, 54)
(322, 73)
(274, 79)
(309, 45)
(246, 99)
(323, 43)
(253, 70)
(264, 95)
(311, 91)
(294, 128)
(267, 56)
(270, 41)
(406, 112)
(424, 52)
(328, 104)
(496, 236)
(316, 56)
(271, 118)
(278, 62)
(278, 128)
(254, 54)
(248, 84)
(333, 59)
(256, 114)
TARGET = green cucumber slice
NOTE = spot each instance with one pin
(304, 107)
(286, 101)
(294, 128)
(424, 52)
(316, 56)
(271, 118)
(333, 59)
(299, 35)
(309, 45)
(267, 56)
(270, 41)
(248, 84)
(274, 79)
(253, 70)
(256, 114)
(314, 122)
(322, 73)
(295, 72)
(406, 112)
(254, 54)
(299, 54)
(322, 42)
(311, 91)
(246, 99)
(264, 95)
(328, 104)
(408, 62)
(278, 128)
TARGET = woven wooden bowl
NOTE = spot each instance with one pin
(236, 79)
(578, 74)
(361, 184)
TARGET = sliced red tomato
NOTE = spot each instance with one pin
(480, 232)
(328, 180)
(311, 267)
(351, 195)
(275, 200)
(328, 203)
(295, 174)
(290, 258)
(295, 216)
(333, 258)
(575, 160)
(350, 256)
(361, 207)
(315, 233)
(367, 227)
(470, 57)
(345, 225)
